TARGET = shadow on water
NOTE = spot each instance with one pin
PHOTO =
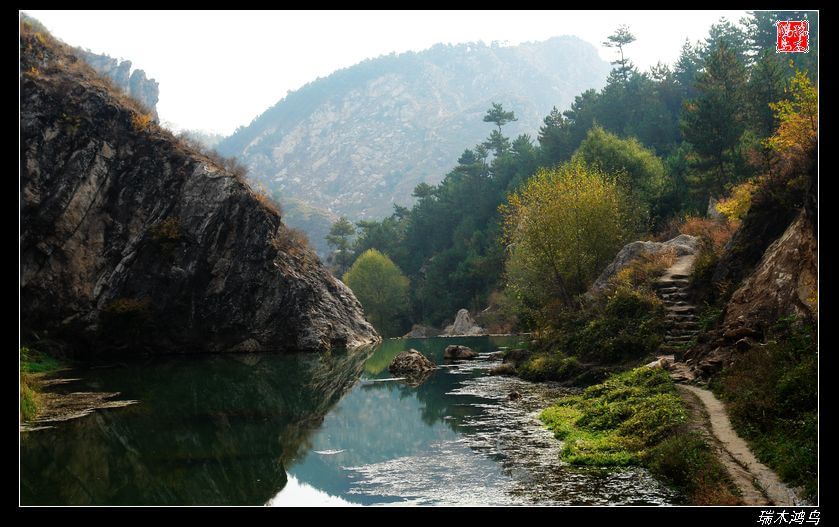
(302, 430)
(208, 430)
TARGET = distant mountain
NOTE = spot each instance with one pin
(361, 139)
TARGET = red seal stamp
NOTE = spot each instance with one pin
(793, 36)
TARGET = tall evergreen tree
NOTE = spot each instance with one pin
(713, 122)
(621, 38)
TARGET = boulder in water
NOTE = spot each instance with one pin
(456, 352)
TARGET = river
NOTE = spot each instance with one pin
(332, 429)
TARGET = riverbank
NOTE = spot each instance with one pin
(638, 418)
(46, 395)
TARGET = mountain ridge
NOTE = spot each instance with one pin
(359, 140)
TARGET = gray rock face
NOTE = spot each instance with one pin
(681, 245)
(784, 283)
(456, 352)
(464, 325)
(411, 363)
(132, 241)
(134, 83)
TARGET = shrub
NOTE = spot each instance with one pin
(713, 233)
(629, 326)
(140, 121)
(264, 198)
(688, 462)
(292, 242)
(771, 393)
(547, 367)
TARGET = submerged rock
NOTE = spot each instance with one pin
(130, 240)
(456, 352)
(464, 325)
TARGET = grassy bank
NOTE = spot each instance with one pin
(637, 418)
(33, 362)
(771, 394)
(622, 328)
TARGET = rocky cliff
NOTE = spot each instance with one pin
(784, 280)
(133, 83)
(361, 139)
(131, 240)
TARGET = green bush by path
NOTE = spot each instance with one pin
(771, 394)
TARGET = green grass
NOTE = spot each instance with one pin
(615, 422)
(28, 400)
(637, 418)
(771, 394)
(33, 361)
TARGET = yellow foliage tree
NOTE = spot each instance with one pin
(561, 229)
(737, 204)
(798, 129)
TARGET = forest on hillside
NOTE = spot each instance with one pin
(682, 141)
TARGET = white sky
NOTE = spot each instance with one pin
(219, 70)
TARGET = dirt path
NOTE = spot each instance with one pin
(757, 483)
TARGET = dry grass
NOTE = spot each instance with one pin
(293, 242)
(714, 233)
(642, 272)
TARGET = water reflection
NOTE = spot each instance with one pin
(332, 429)
(208, 430)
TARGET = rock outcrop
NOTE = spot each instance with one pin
(681, 245)
(134, 83)
(418, 331)
(411, 363)
(464, 325)
(784, 283)
(132, 241)
(456, 352)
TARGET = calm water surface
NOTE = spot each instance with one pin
(334, 429)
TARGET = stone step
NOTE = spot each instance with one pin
(675, 303)
(675, 296)
(665, 282)
(679, 276)
(674, 336)
(686, 324)
(675, 313)
(682, 309)
(666, 290)
(692, 331)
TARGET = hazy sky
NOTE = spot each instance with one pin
(219, 70)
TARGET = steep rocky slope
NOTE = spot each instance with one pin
(130, 240)
(361, 139)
